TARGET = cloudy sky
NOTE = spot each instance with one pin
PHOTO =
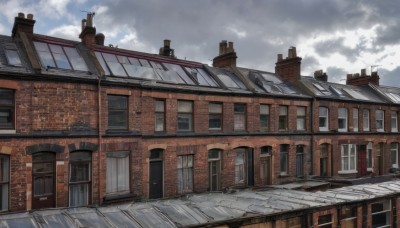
(337, 36)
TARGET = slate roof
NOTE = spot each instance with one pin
(200, 209)
(337, 91)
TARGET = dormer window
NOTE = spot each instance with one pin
(56, 56)
(12, 55)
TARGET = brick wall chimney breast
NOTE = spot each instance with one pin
(227, 55)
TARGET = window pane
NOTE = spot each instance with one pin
(215, 121)
(160, 105)
(215, 108)
(282, 110)
(102, 63)
(301, 111)
(13, 57)
(76, 60)
(184, 122)
(264, 109)
(6, 118)
(117, 112)
(185, 106)
(239, 122)
(80, 172)
(78, 195)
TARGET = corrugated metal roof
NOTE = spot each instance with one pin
(198, 209)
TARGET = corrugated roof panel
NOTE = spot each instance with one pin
(87, 217)
(149, 217)
(182, 214)
(53, 218)
(20, 220)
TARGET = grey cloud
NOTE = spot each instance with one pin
(389, 78)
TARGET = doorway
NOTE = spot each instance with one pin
(156, 174)
(43, 180)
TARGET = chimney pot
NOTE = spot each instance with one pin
(167, 43)
(21, 15)
(363, 72)
(99, 39)
(89, 21)
(30, 16)
(280, 57)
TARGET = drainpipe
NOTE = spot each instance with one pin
(312, 137)
(99, 136)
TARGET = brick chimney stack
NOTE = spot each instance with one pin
(22, 24)
(227, 55)
(88, 31)
(166, 50)
(362, 79)
(289, 68)
(320, 75)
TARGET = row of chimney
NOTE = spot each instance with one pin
(288, 68)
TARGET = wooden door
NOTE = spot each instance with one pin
(43, 180)
(266, 172)
(156, 180)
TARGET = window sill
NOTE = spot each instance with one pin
(370, 169)
(8, 131)
(342, 130)
(347, 171)
(283, 175)
(117, 197)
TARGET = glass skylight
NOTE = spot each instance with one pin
(394, 97)
(336, 91)
(148, 69)
(271, 78)
(57, 56)
(229, 79)
(12, 54)
(355, 94)
(322, 89)
(202, 77)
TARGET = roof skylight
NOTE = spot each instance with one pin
(394, 97)
(355, 94)
(322, 89)
(12, 54)
(57, 56)
(124, 66)
(336, 91)
(271, 78)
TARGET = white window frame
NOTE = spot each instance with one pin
(380, 120)
(369, 157)
(342, 116)
(326, 119)
(346, 155)
(394, 123)
(394, 150)
(366, 126)
(355, 119)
